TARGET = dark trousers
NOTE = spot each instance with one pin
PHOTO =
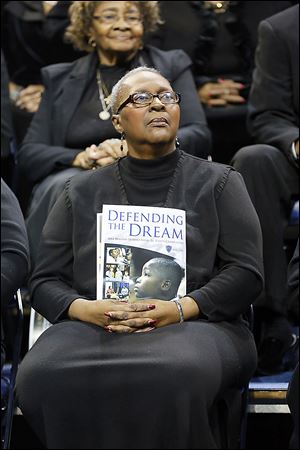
(272, 182)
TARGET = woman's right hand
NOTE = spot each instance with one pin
(96, 312)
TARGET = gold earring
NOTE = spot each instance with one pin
(92, 42)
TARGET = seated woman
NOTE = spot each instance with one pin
(71, 130)
(112, 374)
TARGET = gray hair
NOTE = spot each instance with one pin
(119, 87)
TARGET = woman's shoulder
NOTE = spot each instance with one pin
(204, 171)
(206, 164)
(89, 181)
(176, 58)
(79, 67)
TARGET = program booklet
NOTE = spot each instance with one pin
(141, 253)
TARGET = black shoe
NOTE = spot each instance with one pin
(276, 356)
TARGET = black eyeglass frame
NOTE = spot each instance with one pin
(130, 99)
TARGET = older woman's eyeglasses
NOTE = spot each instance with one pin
(146, 98)
(110, 18)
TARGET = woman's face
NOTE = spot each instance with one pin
(117, 27)
(154, 125)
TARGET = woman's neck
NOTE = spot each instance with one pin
(108, 58)
(150, 152)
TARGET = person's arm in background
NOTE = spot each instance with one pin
(273, 105)
(14, 245)
(38, 157)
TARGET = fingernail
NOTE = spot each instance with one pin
(151, 306)
(221, 80)
(152, 322)
(106, 328)
(108, 314)
(242, 85)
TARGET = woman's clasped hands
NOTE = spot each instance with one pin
(124, 317)
(100, 155)
(221, 93)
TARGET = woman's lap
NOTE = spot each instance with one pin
(79, 370)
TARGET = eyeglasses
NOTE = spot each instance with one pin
(146, 98)
(131, 19)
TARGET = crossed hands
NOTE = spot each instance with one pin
(221, 93)
(100, 155)
(124, 317)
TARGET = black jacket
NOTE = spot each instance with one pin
(274, 97)
(224, 245)
(32, 40)
(44, 152)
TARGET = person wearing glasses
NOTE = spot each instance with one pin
(150, 373)
(72, 130)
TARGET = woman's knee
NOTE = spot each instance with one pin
(256, 156)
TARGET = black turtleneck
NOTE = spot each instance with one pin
(147, 181)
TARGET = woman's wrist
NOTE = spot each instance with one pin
(190, 309)
(78, 309)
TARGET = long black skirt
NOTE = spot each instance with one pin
(80, 387)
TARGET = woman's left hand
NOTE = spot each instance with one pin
(164, 313)
(110, 150)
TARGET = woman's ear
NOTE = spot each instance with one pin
(116, 123)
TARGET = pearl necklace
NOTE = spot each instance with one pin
(105, 114)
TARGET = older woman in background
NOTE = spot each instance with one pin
(72, 130)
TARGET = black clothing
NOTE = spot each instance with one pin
(209, 192)
(271, 182)
(293, 391)
(65, 85)
(14, 251)
(68, 114)
(155, 175)
(32, 40)
(274, 99)
(7, 133)
(220, 46)
(293, 402)
(270, 171)
(14, 245)
(126, 383)
(6, 118)
(293, 284)
(176, 387)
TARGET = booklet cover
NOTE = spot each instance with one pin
(141, 253)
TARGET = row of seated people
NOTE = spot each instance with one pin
(67, 126)
(265, 169)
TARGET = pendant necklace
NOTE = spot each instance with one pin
(105, 114)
